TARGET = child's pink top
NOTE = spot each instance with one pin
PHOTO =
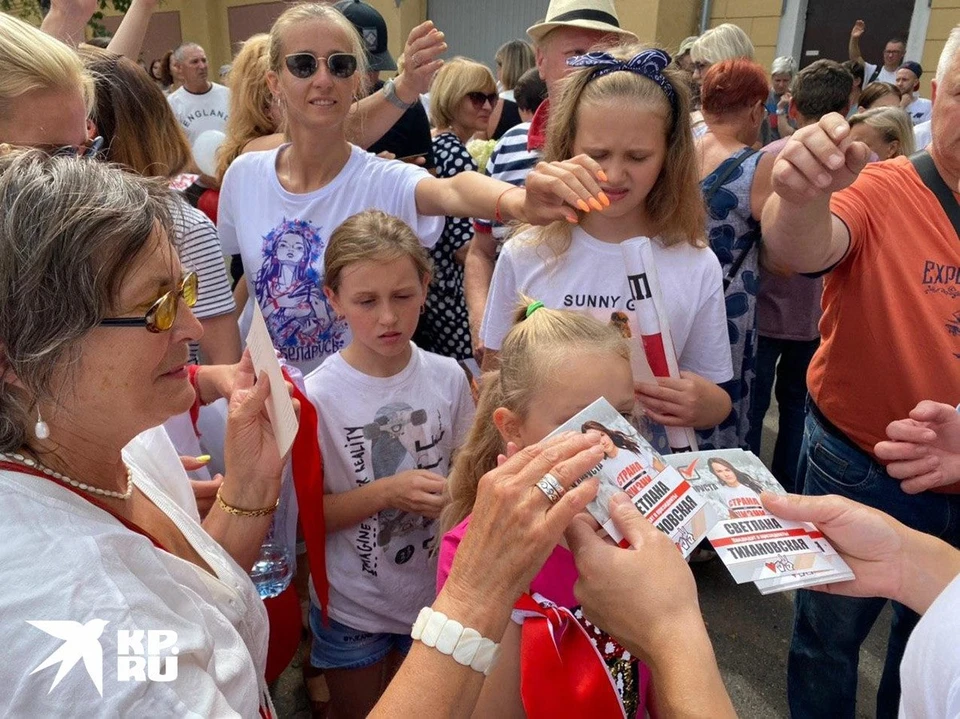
(555, 580)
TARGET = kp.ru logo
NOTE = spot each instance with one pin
(137, 661)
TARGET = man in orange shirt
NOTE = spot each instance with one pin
(891, 337)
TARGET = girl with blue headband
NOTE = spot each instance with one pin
(627, 110)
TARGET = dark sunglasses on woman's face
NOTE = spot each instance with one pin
(305, 64)
(479, 99)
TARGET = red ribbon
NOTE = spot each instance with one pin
(308, 483)
(561, 672)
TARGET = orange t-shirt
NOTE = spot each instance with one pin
(891, 308)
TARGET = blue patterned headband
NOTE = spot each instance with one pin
(649, 63)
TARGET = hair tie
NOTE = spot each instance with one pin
(533, 307)
(649, 63)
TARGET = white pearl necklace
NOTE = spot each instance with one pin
(126, 494)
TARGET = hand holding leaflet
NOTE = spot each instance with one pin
(656, 342)
(280, 408)
(632, 466)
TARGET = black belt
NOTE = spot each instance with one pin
(832, 429)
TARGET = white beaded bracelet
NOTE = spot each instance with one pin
(450, 637)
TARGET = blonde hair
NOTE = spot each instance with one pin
(892, 123)
(514, 58)
(535, 348)
(453, 82)
(372, 235)
(250, 101)
(307, 12)
(674, 204)
(724, 42)
(32, 60)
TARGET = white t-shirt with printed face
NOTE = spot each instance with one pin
(199, 113)
(282, 236)
(380, 570)
(590, 278)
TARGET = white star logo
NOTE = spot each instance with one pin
(81, 641)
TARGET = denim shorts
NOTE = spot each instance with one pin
(337, 646)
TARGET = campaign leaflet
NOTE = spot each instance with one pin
(631, 465)
(655, 341)
(777, 554)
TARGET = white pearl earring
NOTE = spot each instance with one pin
(41, 429)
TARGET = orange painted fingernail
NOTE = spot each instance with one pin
(604, 199)
(572, 220)
(583, 206)
(601, 175)
(595, 204)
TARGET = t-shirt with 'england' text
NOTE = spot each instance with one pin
(198, 113)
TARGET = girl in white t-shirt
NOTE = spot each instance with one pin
(628, 111)
(390, 416)
(553, 364)
(278, 207)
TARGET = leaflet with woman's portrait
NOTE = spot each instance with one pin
(756, 546)
(631, 465)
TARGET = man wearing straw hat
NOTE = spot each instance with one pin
(571, 27)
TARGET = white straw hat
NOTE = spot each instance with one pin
(587, 14)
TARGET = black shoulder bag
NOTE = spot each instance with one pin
(934, 182)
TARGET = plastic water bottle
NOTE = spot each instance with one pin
(273, 570)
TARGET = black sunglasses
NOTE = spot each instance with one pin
(305, 64)
(479, 99)
(88, 149)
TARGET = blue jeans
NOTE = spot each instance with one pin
(828, 630)
(791, 388)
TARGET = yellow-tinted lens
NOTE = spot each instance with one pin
(188, 290)
(163, 314)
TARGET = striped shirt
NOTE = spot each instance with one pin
(510, 162)
(199, 247)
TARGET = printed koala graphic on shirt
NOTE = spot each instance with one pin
(402, 438)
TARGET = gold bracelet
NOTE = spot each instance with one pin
(237, 512)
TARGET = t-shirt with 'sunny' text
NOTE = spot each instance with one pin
(891, 307)
(282, 236)
(380, 570)
(590, 278)
(198, 113)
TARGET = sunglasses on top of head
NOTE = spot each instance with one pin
(479, 99)
(305, 64)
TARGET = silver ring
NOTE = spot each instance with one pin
(551, 487)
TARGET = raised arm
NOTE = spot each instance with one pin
(67, 20)
(799, 231)
(854, 46)
(375, 114)
(552, 192)
(128, 39)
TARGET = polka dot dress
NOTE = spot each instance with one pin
(444, 327)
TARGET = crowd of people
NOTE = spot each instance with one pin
(438, 260)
